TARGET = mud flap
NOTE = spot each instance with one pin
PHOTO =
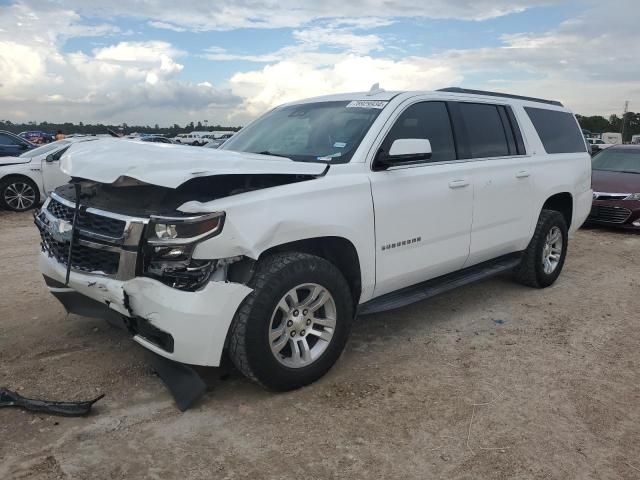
(9, 398)
(184, 383)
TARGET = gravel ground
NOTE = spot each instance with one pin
(493, 381)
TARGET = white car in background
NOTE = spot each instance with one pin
(27, 179)
(196, 139)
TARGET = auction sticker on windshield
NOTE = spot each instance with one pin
(379, 104)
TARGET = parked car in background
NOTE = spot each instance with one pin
(37, 137)
(616, 187)
(598, 144)
(635, 139)
(268, 247)
(13, 145)
(194, 138)
(155, 139)
(27, 179)
(613, 138)
(215, 143)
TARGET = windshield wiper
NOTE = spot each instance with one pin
(267, 152)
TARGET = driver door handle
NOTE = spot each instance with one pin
(522, 174)
(458, 183)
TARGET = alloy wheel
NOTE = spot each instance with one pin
(552, 250)
(302, 325)
(19, 196)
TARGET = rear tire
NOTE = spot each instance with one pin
(270, 327)
(544, 258)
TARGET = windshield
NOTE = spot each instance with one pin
(326, 132)
(618, 160)
(45, 149)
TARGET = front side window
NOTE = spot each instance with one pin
(485, 130)
(326, 132)
(558, 130)
(425, 120)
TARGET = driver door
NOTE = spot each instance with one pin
(422, 211)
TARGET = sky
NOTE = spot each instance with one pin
(164, 62)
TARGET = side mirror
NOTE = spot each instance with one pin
(50, 158)
(405, 151)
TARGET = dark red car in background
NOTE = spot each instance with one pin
(616, 187)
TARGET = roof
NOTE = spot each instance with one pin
(502, 95)
(382, 95)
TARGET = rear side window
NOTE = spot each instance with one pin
(557, 130)
(485, 131)
(429, 120)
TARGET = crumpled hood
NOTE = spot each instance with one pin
(166, 165)
(13, 160)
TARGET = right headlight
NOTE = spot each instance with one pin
(633, 196)
(169, 247)
(183, 230)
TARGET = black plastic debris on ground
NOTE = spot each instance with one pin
(184, 383)
(9, 398)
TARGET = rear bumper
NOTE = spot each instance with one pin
(581, 209)
(188, 327)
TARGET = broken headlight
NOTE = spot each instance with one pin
(169, 247)
(183, 230)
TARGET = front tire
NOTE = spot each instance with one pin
(544, 258)
(294, 325)
(18, 194)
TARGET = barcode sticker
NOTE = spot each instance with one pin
(379, 104)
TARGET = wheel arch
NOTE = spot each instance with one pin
(561, 202)
(340, 251)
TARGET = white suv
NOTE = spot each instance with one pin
(319, 210)
(194, 138)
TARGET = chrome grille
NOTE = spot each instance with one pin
(609, 214)
(609, 196)
(111, 227)
(105, 243)
(84, 259)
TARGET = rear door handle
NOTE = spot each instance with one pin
(458, 183)
(522, 174)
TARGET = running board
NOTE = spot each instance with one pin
(435, 286)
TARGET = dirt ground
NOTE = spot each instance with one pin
(492, 381)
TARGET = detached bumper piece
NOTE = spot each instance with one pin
(9, 398)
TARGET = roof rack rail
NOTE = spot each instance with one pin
(497, 94)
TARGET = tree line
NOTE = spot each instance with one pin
(100, 128)
(599, 124)
(595, 124)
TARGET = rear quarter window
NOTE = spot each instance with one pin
(557, 130)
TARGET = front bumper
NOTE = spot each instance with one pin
(195, 322)
(615, 213)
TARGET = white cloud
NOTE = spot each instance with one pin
(127, 81)
(194, 15)
(589, 62)
(591, 66)
(313, 38)
(298, 78)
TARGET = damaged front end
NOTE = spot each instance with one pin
(136, 268)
